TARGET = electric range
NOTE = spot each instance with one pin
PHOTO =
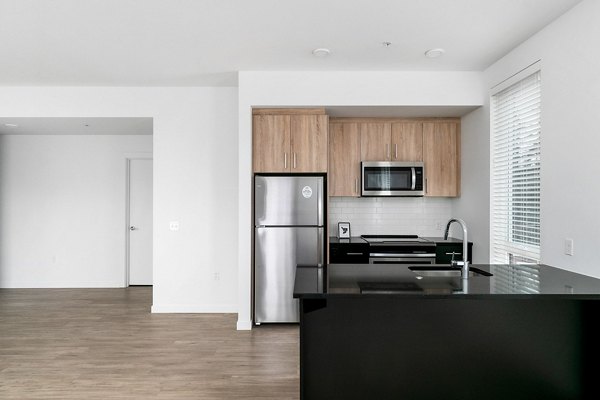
(400, 249)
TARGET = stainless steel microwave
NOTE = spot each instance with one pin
(392, 178)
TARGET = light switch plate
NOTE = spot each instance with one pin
(569, 246)
(174, 225)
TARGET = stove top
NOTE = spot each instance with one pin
(396, 239)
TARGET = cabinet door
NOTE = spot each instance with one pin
(375, 141)
(407, 141)
(441, 153)
(271, 143)
(344, 159)
(309, 143)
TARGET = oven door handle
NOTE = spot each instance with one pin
(410, 255)
(414, 178)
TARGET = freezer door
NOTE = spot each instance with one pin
(288, 200)
(277, 252)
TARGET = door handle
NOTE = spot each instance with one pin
(320, 244)
(132, 228)
(395, 151)
(294, 160)
(284, 160)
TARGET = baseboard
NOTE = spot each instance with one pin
(244, 325)
(195, 308)
(60, 285)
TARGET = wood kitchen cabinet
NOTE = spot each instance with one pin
(289, 143)
(391, 141)
(375, 141)
(344, 159)
(309, 143)
(441, 156)
(271, 143)
(407, 141)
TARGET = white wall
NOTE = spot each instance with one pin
(423, 216)
(62, 209)
(195, 180)
(570, 193)
(473, 206)
(332, 88)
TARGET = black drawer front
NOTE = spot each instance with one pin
(348, 253)
(443, 252)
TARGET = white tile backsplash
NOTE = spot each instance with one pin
(423, 216)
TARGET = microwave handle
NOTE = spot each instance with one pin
(414, 178)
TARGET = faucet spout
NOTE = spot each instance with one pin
(465, 253)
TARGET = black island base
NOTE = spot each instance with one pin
(392, 332)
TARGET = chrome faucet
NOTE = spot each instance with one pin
(465, 261)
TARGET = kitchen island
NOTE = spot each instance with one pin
(397, 332)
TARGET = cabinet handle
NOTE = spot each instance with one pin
(355, 185)
(387, 147)
(355, 254)
(426, 191)
(284, 160)
(395, 151)
(294, 160)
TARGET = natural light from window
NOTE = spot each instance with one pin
(515, 180)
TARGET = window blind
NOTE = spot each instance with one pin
(515, 177)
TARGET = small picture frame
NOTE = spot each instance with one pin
(343, 230)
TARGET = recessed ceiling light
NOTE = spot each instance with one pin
(434, 53)
(386, 44)
(321, 52)
(12, 125)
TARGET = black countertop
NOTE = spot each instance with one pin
(353, 240)
(398, 280)
(441, 240)
(358, 239)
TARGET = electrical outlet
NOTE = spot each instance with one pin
(174, 225)
(439, 226)
(569, 247)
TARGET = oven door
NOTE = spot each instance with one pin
(411, 259)
(392, 179)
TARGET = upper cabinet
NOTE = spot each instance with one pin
(441, 155)
(391, 141)
(309, 143)
(290, 141)
(271, 143)
(407, 141)
(344, 159)
(375, 141)
(433, 141)
(303, 141)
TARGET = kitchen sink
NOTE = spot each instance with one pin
(445, 271)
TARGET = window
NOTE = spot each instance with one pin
(515, 180)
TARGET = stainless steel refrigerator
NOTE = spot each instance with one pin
(288, 230)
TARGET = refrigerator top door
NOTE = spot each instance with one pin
(288, 201)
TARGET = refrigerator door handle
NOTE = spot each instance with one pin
(320, 244)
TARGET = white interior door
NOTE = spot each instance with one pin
(140, 222)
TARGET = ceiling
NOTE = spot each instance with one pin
(76, 126)
(204, 42)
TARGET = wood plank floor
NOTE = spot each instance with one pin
(105, 344)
